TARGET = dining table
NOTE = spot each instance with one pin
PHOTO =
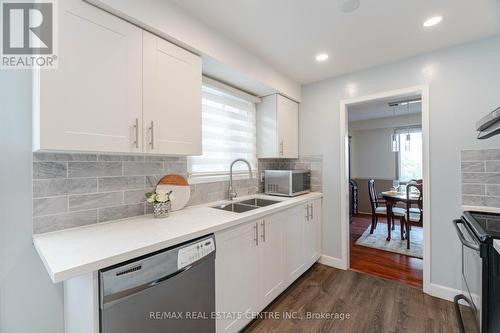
(391, 199)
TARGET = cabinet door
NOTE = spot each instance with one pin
(172, 98)
(312, 232)
(272, 257)
(93, 100)
(288, 127)
(294, 235)
(237, 275)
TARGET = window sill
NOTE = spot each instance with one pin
(218, 178)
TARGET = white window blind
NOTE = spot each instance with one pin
(229, 132)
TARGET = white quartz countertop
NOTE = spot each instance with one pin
(77, 251)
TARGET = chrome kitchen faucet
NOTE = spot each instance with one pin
(231, 194)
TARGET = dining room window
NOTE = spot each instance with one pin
(229, 132)
(409, 157)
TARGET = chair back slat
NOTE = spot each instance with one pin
(373, 195)
(419, 188)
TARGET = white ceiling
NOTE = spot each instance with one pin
(380, 109)
(288, 34)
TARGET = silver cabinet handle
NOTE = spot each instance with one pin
(136, 128)
(281, 147)
(152, 129)
(312, 212)
(263, 225)
(256, 239)
(307, 212)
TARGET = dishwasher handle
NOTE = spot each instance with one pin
(113, 298)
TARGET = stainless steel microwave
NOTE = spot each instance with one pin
(287, 183)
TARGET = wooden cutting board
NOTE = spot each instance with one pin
(179, 187)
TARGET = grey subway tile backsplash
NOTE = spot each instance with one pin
(474, 189)
(63, 157)
(49, 187)
(143, 168)
(72, 190)
(472, 166)
(50, 205)
(54, 187)
(136, 196)
(95, 200)
(94, 169)
(63, 221)
(82, 185)
(481, 155)
(493, 190)
(121, 183)
(120, 212)
(492, 166)
(47, 170)
(121, 158)
(481, 177)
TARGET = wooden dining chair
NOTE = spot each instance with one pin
(381, 211)
(414, 215)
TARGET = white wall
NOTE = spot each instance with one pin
(371, 151)
(464, 85)
(29, 301)
(168, 19)
(371, 154)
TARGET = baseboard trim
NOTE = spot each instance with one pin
(443, 292)
(332, 262)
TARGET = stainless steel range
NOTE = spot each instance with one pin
(480, 269)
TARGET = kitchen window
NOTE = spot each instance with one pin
(229, 132)
(409, 157)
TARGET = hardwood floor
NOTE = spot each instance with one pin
(389, 265)
(371, 304)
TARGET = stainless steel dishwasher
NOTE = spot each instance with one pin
(167, 291)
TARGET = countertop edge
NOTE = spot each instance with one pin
(88, 267)
(481, 209)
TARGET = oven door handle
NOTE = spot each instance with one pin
(470, 245)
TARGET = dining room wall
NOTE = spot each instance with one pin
(464, 84)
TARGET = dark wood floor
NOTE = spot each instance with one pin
(373, 305)
(389, 265)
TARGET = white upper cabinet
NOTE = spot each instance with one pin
(278, 127)
(93, 100)
(172, 98)
(117, 88)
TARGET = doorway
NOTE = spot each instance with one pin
(369, 127)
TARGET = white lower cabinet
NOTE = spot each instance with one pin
(236, 277)
(294, 233)
(271, 258)
(258, 260)
(249, 271)
(312, 232)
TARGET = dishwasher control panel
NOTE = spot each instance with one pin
(194, 252)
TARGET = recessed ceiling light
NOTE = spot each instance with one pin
(322, 57)
(432, 21)
(350, 6)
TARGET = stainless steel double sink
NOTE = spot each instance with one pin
(245, 205)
